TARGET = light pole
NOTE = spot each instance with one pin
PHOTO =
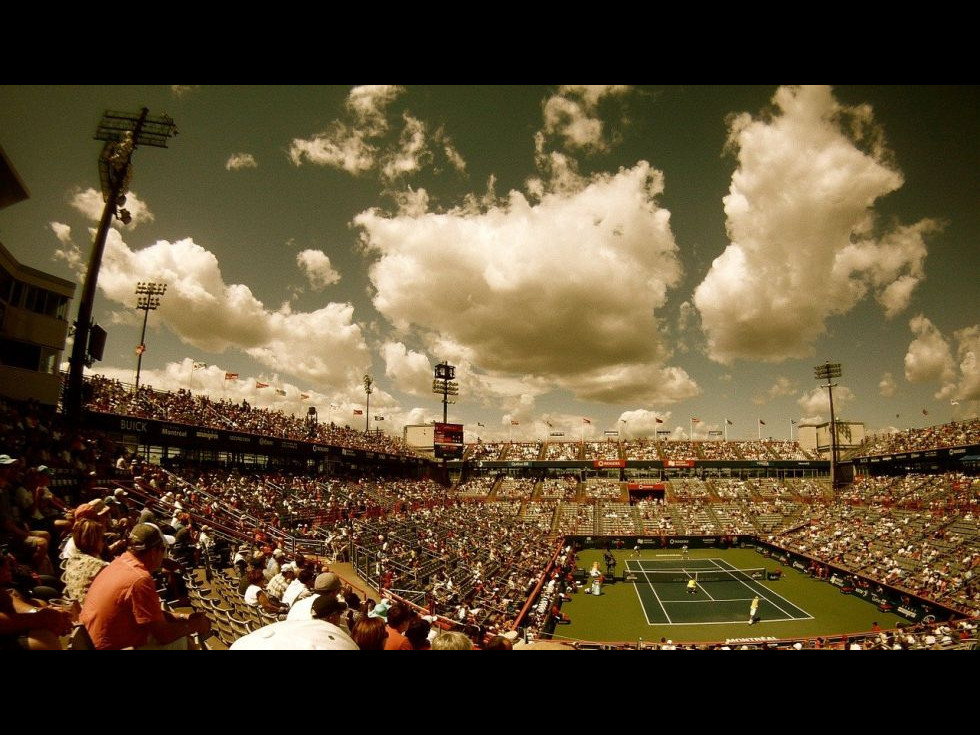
(367, 380)
(443, 383)
(825, 372)
(148, 299)
(122, 132)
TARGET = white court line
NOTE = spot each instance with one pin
(755, 592)
(636, 586)
(738, 599)
(790, 602)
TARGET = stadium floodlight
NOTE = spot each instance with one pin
(123, 133)
(368, 381)
(147, 299)
(443, 383)
(828, 371)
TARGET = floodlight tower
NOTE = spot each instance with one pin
(122, 132)
(147, 299)
(443, 383)
(825, 372)
(367, 380)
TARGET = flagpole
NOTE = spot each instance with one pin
(692, 429)
(726, 430)
(791, 429)
(759, 426)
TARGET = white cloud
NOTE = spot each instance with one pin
(410, 154)
(238, 161)
(782, 387)
(483, 280)
(368, 103)
(453, 156)
(347, 145)
(643, 423)
(324, 347)
(572, 115)
(817, 401)
(316, 265)
(69, 252)
(930, 360)
(803, 234)
(887, 386)
(411, 371)
(363, 142)
(90, 203)
(968, 354)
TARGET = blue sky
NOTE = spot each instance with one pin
(615, 253)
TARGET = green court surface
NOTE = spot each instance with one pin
(649, 608)
(717, 601)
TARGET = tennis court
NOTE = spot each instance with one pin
(722, 593)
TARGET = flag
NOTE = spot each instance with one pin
(304, 396)
(586, 421)
(140, 349)
(658, 420)
(792, 421)
(479, 424)
(231, 376)
(761, 422)
(260, 386)
(730, 423)
(358, 412)
(379, 418)
(515, 423)
(695, 421)
(549, 425)
(954, 403)
(924, 412)
(280, 391)
(200, 365)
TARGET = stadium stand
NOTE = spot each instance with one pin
(487, 557)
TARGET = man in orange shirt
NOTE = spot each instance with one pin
(122, 607)
(398, 619)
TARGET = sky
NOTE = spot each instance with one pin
(590, 258)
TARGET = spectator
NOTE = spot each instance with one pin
(123, 609)
(256, 596)
(418, 632)
(451, 640)
(82, 567)
(320, 632)
(397, 619)
(299, 587)
(370, 634)
(22, 625)
(327, 584)
(499, 643)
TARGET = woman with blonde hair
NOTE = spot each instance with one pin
(82, 567)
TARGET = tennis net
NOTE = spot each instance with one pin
(698, 575)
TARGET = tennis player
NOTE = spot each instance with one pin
(754, 610)
(692, 586)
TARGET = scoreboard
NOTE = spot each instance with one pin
(447, 441)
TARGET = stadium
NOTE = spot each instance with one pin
(621, 278)
(490, 546)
